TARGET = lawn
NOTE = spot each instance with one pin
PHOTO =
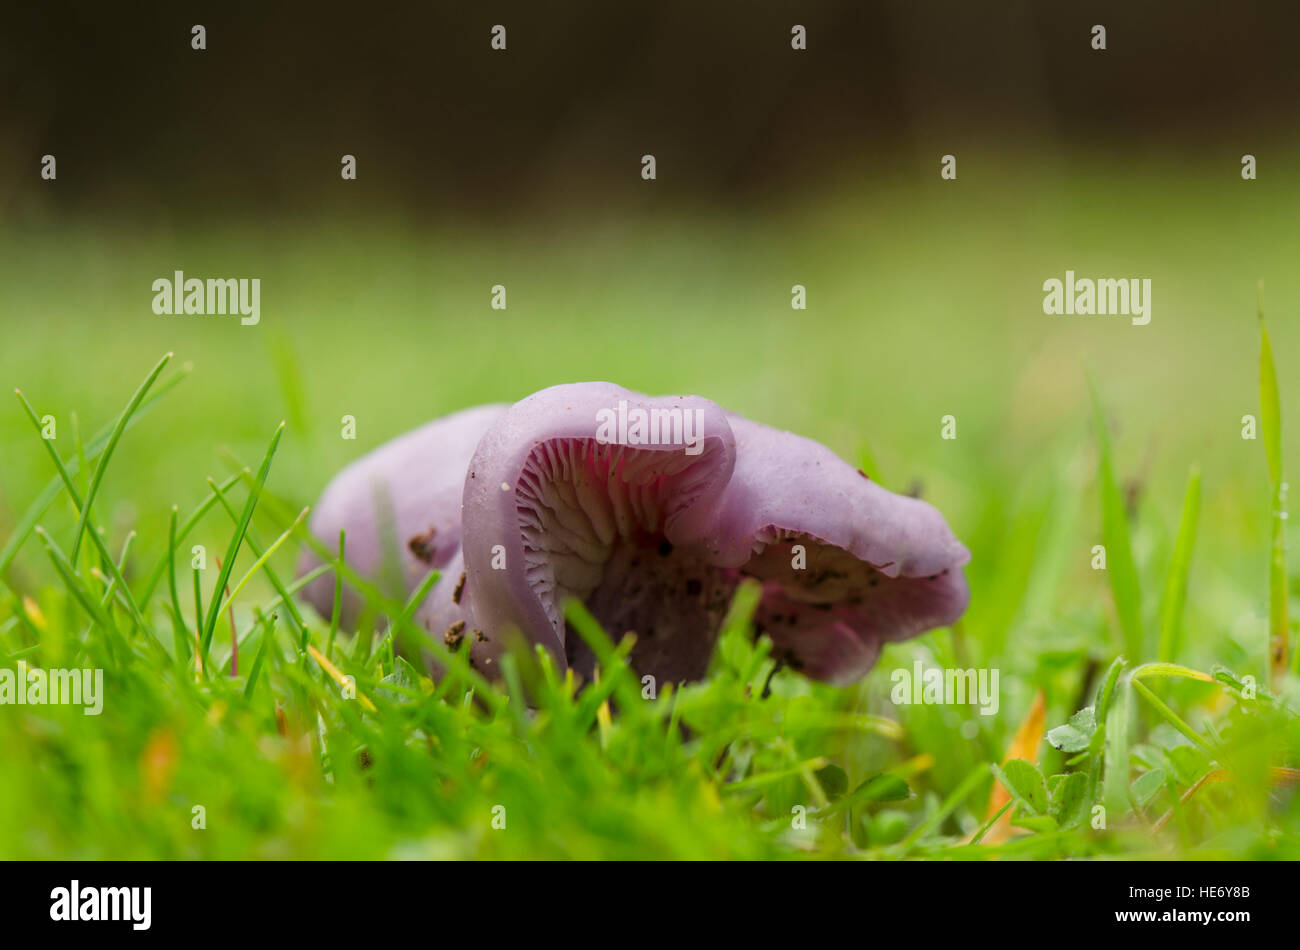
(1118, 691)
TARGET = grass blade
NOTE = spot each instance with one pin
(1170, 670)
(295, 618)
(1173, 718)
(184, 529)
(27, 523)
(1121, 571)
(200, 655)
(1115, 754)
(76, 587)
(101, 545)
(210, 621)
(1175, 595)
(268, 633)
(178, 628)
(113, 438)
(257, 565)
(338, 598)
(959, 794)
(339, 677)
(1270, 421)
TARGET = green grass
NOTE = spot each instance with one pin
(1162, 700)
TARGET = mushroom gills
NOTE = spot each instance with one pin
(829, 612)
(595, 521)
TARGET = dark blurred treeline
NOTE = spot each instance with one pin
(436, 118)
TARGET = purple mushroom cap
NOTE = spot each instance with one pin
(651, 510)
(875, 566)
(398, 505)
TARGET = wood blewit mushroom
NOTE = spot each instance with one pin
(649, 510)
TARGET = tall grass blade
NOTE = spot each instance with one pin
(1180, 565)
(27, 522)
(237, 539)
(1121, 571)
(113, 438)
(1270, 422)
(182, 530)
(101, 545)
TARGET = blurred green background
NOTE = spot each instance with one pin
(924, 299)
